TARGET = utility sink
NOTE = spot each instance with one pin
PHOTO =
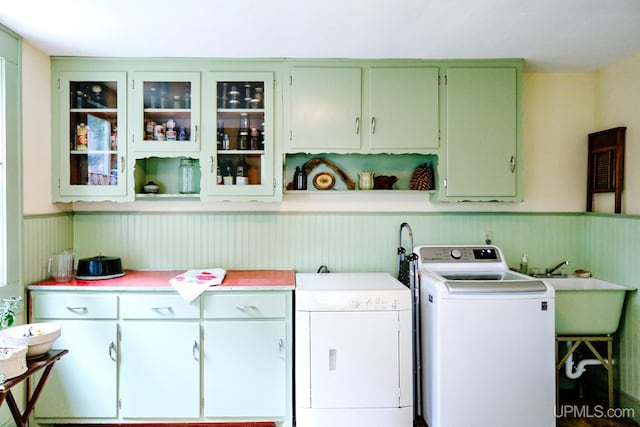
(587, 306)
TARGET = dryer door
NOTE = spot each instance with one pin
(354, 360)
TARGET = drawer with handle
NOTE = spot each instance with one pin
(154, 306)
(244, 305)
(74, 306)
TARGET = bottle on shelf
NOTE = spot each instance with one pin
(261, 138)
(524, 264)
(254, 143)
(242, 169)
(243, 132)
(221, 135)
(227, 172)
(182, 134)
(172, 135)
(299, 179)
(247, 95)
(82, 137)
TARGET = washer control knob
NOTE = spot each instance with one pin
(455, 253)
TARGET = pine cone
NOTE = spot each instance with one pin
(422, 178)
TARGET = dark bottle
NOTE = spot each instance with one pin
(220, 137)
(255, 139)
(261, 138)
(299, 179)
(242, 167)
(227, 168)
(243, 132)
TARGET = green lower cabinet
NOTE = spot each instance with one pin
(75, 388)
(160, 369)
(247, 360)
(245, 369)
(137, 357)
(84, 383)
(482, 134)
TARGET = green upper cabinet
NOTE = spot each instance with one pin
(90, 153)
(166, 112)
(239, 145)
(482, 133)
(403, 108)
(326, 108)
(363, 108)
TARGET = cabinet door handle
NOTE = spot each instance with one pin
(112, 351)
(195, 350)
(373, 125)
(166, 308)
(196, 136)
(512, 162)
(281, 348)
(245, 307)
(122, 164)
(357, 125)
(78, 309)
(211, 164)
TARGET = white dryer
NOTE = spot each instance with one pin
(353, 351)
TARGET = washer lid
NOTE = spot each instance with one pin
(495, 287)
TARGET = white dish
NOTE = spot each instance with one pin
(13, 361)
(37, 337)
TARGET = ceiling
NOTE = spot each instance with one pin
(551, 35)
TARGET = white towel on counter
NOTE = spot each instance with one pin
(192, 283)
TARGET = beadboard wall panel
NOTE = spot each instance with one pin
(343, 242)
(613, 248)
(43, 236)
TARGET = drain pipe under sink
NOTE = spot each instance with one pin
(575, 373)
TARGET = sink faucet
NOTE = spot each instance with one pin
(550, 271)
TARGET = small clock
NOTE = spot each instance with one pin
(324, 181)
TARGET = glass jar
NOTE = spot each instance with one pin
(187, 176)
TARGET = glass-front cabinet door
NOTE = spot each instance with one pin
(91, 157)
(166, 112)
(239, 143)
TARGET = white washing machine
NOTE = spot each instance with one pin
(488, 340)
(353, 351)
